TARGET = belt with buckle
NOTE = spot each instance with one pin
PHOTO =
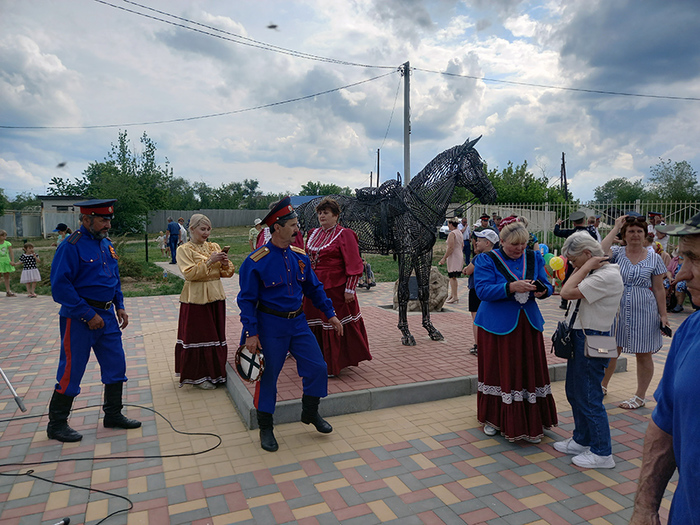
(99, 304)
(287, 315)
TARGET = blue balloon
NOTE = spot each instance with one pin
(544, 249)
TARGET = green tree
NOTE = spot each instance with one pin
(620, 190)
(674, 181)
(3, 202)
(133, 178)
(318, 188)
(24, 200)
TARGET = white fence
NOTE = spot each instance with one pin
(543, 217)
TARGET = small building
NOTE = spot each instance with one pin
(59, 208)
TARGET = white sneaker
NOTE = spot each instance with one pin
(569, 446)
(489, 430)
(590, 460)
(534, 441)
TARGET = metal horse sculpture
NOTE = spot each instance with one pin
(404, 220)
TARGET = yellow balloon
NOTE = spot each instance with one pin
(556, 263)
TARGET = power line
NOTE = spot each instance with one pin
(232, 37)
(202, 117)
(562, 88)
(391, 117)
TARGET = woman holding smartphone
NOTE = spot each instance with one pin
(598, 285)
(643, 305)
(514, 395)
(201, 351)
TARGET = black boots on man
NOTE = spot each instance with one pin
(310, 415)
(59, 410)
(113, 409)
(267, 436)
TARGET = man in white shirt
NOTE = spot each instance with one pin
(183, 230)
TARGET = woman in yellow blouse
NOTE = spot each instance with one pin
(201, 351)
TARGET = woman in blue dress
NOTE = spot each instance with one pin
(643, 303)
(514, 393)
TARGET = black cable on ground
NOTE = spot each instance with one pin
(30, 473)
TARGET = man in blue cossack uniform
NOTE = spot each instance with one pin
(274, 280)
(85, 282)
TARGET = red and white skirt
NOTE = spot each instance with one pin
(339, 352)
(201, 349)
(514, 393)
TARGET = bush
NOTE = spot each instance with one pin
(130, 268)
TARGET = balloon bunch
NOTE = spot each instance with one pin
(555, 266)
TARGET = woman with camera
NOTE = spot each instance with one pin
(597, 286)
(643, 305)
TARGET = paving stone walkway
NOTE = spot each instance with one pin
(420, 463)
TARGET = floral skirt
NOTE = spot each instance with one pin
(514, 393)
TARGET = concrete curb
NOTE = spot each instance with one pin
(371, 399)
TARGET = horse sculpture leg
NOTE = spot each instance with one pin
(423, 267)
(403, 294)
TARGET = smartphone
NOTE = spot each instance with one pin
(539, 285)
(225, 249)
(666, 330)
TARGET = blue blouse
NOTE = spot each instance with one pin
(499, 311)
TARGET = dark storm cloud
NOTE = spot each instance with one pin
(631, 43)
(204, 45)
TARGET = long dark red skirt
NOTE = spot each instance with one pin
(201, 350)
(353, 346)
(514, 394)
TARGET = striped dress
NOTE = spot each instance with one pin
(637, 325)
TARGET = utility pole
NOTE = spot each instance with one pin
(405, 72)
(562, 179)
(370, 179)
(377, 168)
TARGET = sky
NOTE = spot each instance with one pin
(527, 75)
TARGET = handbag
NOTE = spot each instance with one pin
(602, 346)
(562, 344)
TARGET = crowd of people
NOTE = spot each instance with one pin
(302, 302)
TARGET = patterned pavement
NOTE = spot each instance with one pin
(421, 463)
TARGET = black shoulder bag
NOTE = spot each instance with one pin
(562, 344)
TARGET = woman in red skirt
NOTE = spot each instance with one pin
(335, 257)
(201, 350)
(514, 394)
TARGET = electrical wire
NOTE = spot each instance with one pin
(212, 115)
(398, 87)
(30, 472)
(232, 37)
(561, 88)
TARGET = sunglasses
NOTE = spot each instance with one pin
(635, 219)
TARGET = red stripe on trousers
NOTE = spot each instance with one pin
(65, 379)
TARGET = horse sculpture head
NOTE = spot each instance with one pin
(464, 162)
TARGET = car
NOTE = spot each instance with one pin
(444, 231)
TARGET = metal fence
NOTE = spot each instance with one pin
(32, 224)
(543, 217)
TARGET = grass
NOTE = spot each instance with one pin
(144, 278)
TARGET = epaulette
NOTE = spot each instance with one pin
(298, 250)
(259, 253)
(74, 237)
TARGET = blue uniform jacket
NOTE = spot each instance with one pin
(499, 311)
(85, 269)
(279, 280)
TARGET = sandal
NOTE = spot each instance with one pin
(632, 403)
(473, 350)
(11, 294)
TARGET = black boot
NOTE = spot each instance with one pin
(59, 409)
(113, 409)
(267, 436)
(310, 415)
